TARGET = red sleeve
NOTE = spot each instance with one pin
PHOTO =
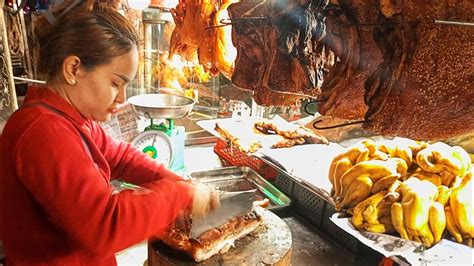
(62, 178)
(128, 163)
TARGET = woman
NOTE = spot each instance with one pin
(56, 203)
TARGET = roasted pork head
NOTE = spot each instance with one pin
(270, 37)
(399, 69)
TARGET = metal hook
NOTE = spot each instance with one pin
(223, 22)
(163, 9)
(147, 115)
(358, 24)
(228, 22)
(335, 126)
(311, 102)
(456, 23)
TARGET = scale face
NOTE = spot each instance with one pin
(156, 144)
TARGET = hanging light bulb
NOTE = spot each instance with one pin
(138, 4)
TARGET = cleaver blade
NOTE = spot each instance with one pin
(232, 204)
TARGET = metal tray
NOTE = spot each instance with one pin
(243, 178)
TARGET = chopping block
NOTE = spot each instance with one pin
(269, 244)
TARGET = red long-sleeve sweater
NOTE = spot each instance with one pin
(56, 203)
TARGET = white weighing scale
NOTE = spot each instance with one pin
(164, 141)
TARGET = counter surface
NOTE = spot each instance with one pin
(309, 246)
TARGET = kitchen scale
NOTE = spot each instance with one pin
(162, 141)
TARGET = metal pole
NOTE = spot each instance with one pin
(26, 45)
(30, 80)
(456, 23)
(8, 61)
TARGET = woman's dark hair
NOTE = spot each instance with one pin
(95, 36)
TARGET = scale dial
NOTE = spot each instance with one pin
(156, 144)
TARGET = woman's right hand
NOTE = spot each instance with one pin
(205, 199)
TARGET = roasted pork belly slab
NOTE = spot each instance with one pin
(214, 241)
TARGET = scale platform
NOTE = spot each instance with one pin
(162, 141)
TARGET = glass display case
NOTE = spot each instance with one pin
(161, 73)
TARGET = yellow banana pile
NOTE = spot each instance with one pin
(373, 215)
(460, 212)
(413, 188)
(451, 163)
(366, 178)
(367, 168)
(420, 214)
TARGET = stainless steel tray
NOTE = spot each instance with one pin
(243, 178)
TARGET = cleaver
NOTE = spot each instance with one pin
(232, 204)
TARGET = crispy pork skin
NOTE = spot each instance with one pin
(428, 93)
(214, 241)
(416, 75)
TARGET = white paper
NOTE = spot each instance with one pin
(210, 125)
(307, 163)
(446, 252)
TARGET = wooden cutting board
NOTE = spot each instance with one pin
(270, 244)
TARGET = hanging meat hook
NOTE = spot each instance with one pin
(311, 102)
(455, 23)
(233, 21)
(335, 126)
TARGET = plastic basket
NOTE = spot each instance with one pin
(231, 156)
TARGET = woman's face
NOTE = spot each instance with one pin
(98, 92)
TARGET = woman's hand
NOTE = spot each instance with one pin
(205, 199)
